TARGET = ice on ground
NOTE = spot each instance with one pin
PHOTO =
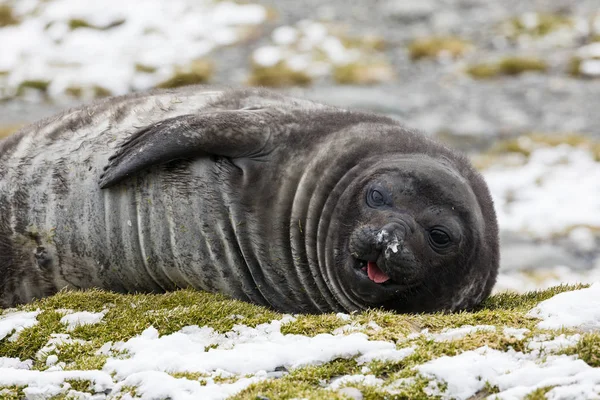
(369, 380)
(242, 351)
(9, 362)
(517, 333)
(392, 355)
(76, 319)
(548, 194)
(242, 356)
(119, 46)
(578, 308)
(449, 334)
(17, 321)
(514, 373)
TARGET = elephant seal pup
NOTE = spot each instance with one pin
(270, 199)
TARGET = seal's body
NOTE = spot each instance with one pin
(270, 199)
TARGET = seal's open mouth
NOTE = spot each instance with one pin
(375, 273)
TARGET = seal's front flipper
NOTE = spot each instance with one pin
(239, 133)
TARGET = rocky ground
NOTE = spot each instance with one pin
(473, 73)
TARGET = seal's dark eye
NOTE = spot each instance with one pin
(438, 238)
(376, 198)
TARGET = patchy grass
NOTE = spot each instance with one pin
(588, 349)
(199, 71)
(509, 66)
(39, 85)
(363, 73)
(435, 47)
(537, 24)
(6, 16)
(279, 75)
(129, 315)
(516, 151)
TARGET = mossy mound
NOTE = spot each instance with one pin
(127, 316)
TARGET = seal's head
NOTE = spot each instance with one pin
(422, 237)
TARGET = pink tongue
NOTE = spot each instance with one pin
(375, 274)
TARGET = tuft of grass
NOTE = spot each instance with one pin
(77, 23)
(12, 393)
(279, 75)
(518, 65)
(434, 47)
(40, 85)
(510, 66)
(587, 349)
(539, 394)
(199, 71)
(545, 23)
(6, 16)
(81, 385)
(363, 73)
(145, 68)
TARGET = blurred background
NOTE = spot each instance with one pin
(515, 84)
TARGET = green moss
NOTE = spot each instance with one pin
(587, 349)
(199, 71)
(518, 65)
(11, 393)
(6, 16)
(483, 71)
(279, 75)
(434, 47)
(74, 91)
(538, 394)
(369, 43)
(546, 23)
(363, 73)
(81, 385)
(145, 68)
(311, 325)
(507, 66)
(100, 91)
(77, 23)
(40, 85)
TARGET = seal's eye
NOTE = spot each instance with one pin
(376, 198)
(439, 239)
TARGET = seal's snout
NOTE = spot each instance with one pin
(392, 236)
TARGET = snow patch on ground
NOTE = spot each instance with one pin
(548, 194)
(514, 373)
(73, 320)
(578, 308)
(16, 321)
(119, 46)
